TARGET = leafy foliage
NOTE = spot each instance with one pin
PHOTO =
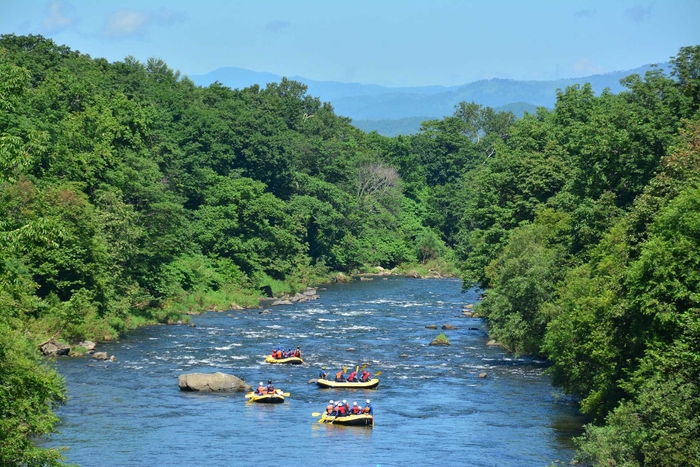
(128, 194)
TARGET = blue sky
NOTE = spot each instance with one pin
(392, 42)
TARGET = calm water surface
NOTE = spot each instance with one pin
(430, 407)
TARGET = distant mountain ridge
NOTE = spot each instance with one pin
(374, 107)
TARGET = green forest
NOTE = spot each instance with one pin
(129, 196)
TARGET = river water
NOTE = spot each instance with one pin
(431, 408)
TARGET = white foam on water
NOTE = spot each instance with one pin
(353, 313)
(359, 328)
(255, 334)
(228, 347)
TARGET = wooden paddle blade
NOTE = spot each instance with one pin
(345, 369)
(378, 373)
(357, 368)
(285, 394)
(316, 414)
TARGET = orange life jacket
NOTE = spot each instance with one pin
(339, 375)
(261, 390)
(329, 408)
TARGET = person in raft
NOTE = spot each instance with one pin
(340, 376)
(366, 376)
(270, 387)
(368, 408)
(355, 409)
(342, 409)
(297, 352)
(261, 389)
(352, 377)
(323, 373)
(330, 407)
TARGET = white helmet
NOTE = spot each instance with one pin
(344, 401)
(354, 403)
(367, 401)
(331, 401)
(260, 384)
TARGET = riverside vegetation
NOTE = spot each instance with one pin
(128, 195)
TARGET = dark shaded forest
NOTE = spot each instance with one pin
(129, 195)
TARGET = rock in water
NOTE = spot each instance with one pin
(208, 382)
(53, 348)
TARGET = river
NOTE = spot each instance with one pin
(431, 408)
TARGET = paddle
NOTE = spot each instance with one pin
(316, 414)
(378, 373)
(285, 394)
(345, 369)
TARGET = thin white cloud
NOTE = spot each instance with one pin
(638, 13)
(277, 25)
(59, 17)
(136, 23)
(585, 66)
(585, 13)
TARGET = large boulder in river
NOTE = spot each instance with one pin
(212, 382)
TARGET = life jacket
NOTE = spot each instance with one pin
(270, 389)
(341, 410)
(352, 376)
(279, 354)
(366, 409)
(329, 408)
(261, 390)
(355, 409)
(365, 375)
(339, 375)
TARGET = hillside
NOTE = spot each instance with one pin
(389, 110)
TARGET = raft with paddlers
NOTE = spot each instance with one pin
(329, 383)
(276, 397)
(289, 360)
(348, 420)
(290, 356)
(364, 381)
